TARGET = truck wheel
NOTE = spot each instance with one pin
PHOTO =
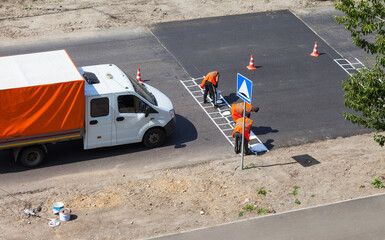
(31, 157)
(154, 138)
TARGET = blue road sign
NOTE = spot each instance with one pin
(244, 88)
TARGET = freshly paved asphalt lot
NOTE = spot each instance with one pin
(299, 96)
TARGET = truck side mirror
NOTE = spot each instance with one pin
(147, 111)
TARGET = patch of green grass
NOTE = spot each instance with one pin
(294, 193)
(249, 208)
(240, 214)
(26, 7)
(262, 192)
(313, 195)
(377, 183)
(362, 186)
(262, 211)
(249, 166)
(297, 201)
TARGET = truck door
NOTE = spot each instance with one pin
(130, 120)
(99, 130)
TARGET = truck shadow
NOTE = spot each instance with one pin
(72, 151)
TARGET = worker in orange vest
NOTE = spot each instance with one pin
(237, 135)
(237, 110)
(210, 83)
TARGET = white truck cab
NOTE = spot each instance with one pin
(120, 110)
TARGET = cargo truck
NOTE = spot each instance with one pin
(45, 99)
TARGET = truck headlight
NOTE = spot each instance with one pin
(172, 113)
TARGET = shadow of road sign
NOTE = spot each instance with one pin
(305, 160)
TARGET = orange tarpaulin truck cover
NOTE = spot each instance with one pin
(40, 93)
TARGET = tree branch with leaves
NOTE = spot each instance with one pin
(365, 89)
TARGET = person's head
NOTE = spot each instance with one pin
(255, 109)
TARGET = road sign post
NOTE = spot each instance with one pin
(243, 135)
(244, 90)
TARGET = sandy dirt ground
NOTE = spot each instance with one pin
(126, 205)
(129, 205)
(45, 19)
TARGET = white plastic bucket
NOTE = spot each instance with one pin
(65, 214)
(57, 206)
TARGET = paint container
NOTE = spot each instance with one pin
(53, 223)
(65, 214)
(57, 206)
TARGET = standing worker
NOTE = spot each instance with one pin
(210, 83)
(237, 110)
(237, 135)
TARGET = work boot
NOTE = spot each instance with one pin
(204, 101)
(248, 152)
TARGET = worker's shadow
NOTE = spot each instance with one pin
(263, 130)
(232, 98)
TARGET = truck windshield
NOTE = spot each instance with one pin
(142, 91)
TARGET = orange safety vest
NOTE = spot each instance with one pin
(239, 127)
(237, 110)
(211, 77)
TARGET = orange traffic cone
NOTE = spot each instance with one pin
(251, 64)
(138, 77)
(315, 51)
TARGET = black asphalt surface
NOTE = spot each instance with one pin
(299, 96)
(322, 22)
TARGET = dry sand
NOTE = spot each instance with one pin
(28, 20)
(126, 205)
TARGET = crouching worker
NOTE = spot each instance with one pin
(237, 110)
(210, 83)
(237, 135)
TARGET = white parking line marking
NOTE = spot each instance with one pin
(262, 147)
(351, 66)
